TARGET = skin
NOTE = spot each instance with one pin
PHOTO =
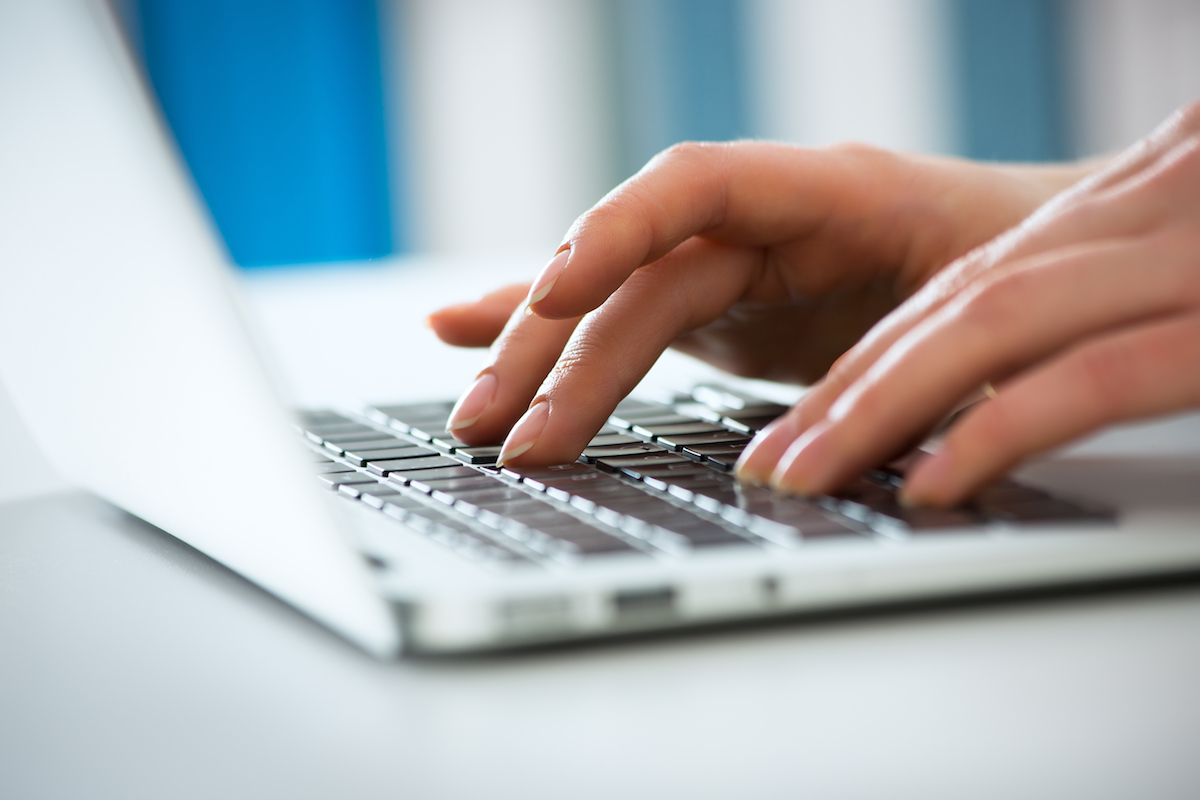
(898, 284)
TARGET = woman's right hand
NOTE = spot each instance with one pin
(767, 260)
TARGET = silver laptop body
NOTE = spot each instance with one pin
(128, 355)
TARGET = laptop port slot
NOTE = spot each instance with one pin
(640, 603)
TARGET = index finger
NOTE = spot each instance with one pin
(748, 193)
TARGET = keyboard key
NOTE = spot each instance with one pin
(423, 480)
(591, 454)
(748, 425)
(651, 431)
(650, 459)
(334, 466)
(679, 441)
(666, 417)
(382, 442)
(335, 479)
(435, 429)
(606, 439)
(407, 414)
(477, 455)
(401, 450)
(472, 481)
(410, 461)
(413, 466)
(535, 477)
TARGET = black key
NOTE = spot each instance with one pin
(360, 433)
(343, 431)
(446, 443)
(1047, 510)
(335, 479)
(408, 465)
(363, 457)
(381, 443)
(410, 453)
(674, 429)
(609, 439)
(591, 454)
(402, 450)
(877, 506)
(434, 430)
(535, 477)
(473, 482)
(422, 479)
(603, 545)
(478, 455)
(679, 441)
(565, 488)
(650, 459)
(334, 466)
(525, 508)
(705, 450)
(377, 496)
(685, 467)
(480, 494)
(409, 412)
(724, 463)
(665, 417)
(748, 425)
(633, 405)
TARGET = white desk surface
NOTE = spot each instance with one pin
(132, 666)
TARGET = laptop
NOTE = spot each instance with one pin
(127, 351)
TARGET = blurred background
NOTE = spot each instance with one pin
(341, 130)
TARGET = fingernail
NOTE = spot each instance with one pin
(805, 463)
(545, 282)
(474, 402)
(759, 459)
(525, 433)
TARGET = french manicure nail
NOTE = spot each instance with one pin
(525, 433)
(805, 463)
(760, 458)
(545, 282)
(474, 402)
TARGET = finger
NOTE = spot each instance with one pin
(1139, 372)
(614, 346)
(1001, 326)
(478, 323)
(520, 358)
(741, 192)
(1124, 209)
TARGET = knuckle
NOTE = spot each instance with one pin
(855, 149)
(686, 151)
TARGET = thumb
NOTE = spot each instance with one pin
(478, 323)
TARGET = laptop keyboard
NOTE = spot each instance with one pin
(655, 481)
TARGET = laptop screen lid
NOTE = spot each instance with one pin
(122, 341)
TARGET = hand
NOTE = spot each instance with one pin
(1088, 313)
(765, 259)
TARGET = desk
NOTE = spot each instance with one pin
(132, 666)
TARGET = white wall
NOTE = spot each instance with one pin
(1135, 61)
(869, 70)
(509, 132)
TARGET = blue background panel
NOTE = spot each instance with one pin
(278, 108)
